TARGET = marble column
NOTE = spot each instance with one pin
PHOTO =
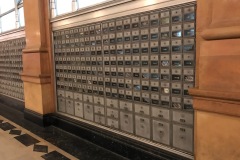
(37, 58)
(217, 92)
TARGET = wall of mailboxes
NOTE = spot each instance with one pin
(10, 67)
(131, 74)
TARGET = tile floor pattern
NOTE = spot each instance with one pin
(16, 143)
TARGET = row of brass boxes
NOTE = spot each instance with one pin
(10, 67)
(131, 74)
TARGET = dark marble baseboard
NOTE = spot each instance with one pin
(122, 145)
(11, 102)
(41, 120)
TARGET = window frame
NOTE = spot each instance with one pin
(17, 5)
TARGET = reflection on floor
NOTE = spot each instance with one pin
(52, 140)
(16, 143)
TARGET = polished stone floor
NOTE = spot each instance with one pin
(17, 143)
(21, 139)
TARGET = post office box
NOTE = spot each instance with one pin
(183, 117)
(188, 45)
(78, 96)
(188, 74)
(189, 13)
(112, 123)
(98, 100)
(114, 93)
(95, 89)
(165, 32)
(61, 105)
(87, 98)
(127, 36)
(177, 31)
(113, 113)
(120, 60)
(126, 122)
(145, 85)
(69, 94)
(111, 26)
(120, 71)
(119, 37)
(155, 73)
(112, 49)
(186, 87)
(121, 93)
(144, 20)
(60, 93)
(154, 47)
(127, 48)
(126, 23)
(136, 72)
(144, 34)
(188, 59)
(128, 72)
(165, 17)
(128, 60)
(127, 106)
(189, 29)
(176, 15)
(146, 98)
(98, 41)
(70, 107)
(161, 132)
(176, 88)
(107, 70)
(113, 71)
(135, 22)
(165, 74)
(183, 138)
(101, 91)
(135, 35)
(155, 100)
(187, 104)
(165, 101)
(142, 109)
(106, 50)
(176, 60)
(154, 33)
(145, 61)
(144, 47)
(112, 38)
(108, 91)
(99, 119)
(154, 86)
(154, 60)
(112, 103)
(176, 74)
(120, 49)
(128, 94)
(176, 45)
(137, 96)
(165, 60)
(105, 27)
(176, 102)
(165, 47)
(119, 25)
(136, 60)
(121, 83)
(142, 126)
(161, 113)
(154, 19)
(88, 112)
(99, 110)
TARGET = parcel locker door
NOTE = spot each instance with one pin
(142, 126)
(126, 122)
(88, 112)
(161, 132)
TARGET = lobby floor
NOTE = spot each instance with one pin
(21, 139)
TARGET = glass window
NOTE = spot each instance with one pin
(63, 6)
(6, 5)
(87, 3)
(21, 17)
(8, 22)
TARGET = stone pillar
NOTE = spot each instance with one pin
(217, 95)
(37, 67)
